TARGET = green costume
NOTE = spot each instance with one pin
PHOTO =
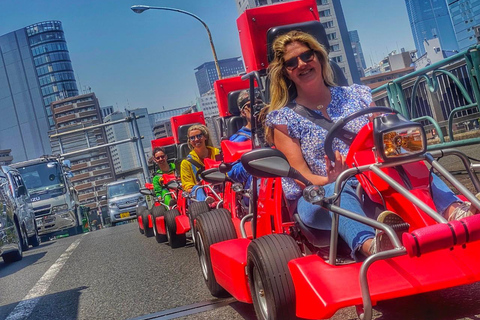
(160, 190)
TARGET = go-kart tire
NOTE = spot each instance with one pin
(15, 255)
(158, 211)
(174, 240)
(140, 212)
(195, 209)
(147, 231)
(213, 227)
(268, 273)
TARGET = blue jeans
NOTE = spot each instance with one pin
(442, 196)
(353, 232)
(200, 194)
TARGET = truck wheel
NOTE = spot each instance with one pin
(24, 238)
(174, 240)
(140, 211)
(15, 255)
(35, 239)
(212, 227)
(146, 229)
(195, 209)
(158, 211)
(270, 281)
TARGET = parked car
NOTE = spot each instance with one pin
(123, 198)
(23, 212)
(17, 221)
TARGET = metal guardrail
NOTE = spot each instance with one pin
(440, 96)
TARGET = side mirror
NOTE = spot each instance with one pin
(172, 185)
(270, 163)
(213, 176)
(21, 191)
(145, 191)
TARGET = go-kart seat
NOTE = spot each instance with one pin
(315, 28)
(235, 121)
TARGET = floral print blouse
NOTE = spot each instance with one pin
(345, 101)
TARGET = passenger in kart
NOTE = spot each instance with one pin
(301, 67)
(238, 172)
(200, 142)
(160, 158)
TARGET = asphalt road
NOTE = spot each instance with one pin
(117, 273)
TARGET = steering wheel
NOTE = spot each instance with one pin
(340, 124)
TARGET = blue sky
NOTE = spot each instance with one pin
(147, 60)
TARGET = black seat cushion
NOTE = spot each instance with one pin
(233, 124)
(232, 103)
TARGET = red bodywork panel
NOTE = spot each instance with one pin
(150, 222)
(182, 223)
(196, 117)
(223, 87)
(232, 151)
(149, 185)
(417, 173)
(140, 221)
(162, 142)
(160, 222)
(181, 203)
(321, 289)
(254, 23)
(229, 259)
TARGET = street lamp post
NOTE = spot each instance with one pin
(142, 8)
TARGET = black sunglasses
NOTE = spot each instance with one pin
(160, 157)
(198, 136)
(292, 63)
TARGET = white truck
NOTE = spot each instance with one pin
(55, 201)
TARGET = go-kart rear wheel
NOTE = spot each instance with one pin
(270, 281)
(140, 212)
(158, 211)
(148, 232)
(195, 209)
(212, 227)
(174, 240)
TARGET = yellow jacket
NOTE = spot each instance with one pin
(188, 170)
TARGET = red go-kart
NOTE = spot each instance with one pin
(289, 270)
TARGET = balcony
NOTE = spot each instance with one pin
(444, 97)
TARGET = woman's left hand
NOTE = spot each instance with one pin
(334, 169)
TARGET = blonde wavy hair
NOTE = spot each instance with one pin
(205, 132)
(282, 89)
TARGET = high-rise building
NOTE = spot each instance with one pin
(333, 20)
(160, 121)
(465, 16)
(357, 52)
(430, 19)
(124, 156)
(105, 111)
(206, 74)
(35, 70)
(92, 170)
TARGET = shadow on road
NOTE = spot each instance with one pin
(8, 269)
(448, 304)
(61, 305)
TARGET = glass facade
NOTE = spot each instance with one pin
(35, 69)
(206, 74)
(465, 17)
(430, 19)
(52, 63)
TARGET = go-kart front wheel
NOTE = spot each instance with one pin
(270, 281)
(212, 227)
(195, 209)
(158, 211)
(174, 240)
(140, 212)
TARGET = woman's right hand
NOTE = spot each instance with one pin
(334, 169)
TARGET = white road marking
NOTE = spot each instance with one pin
(25, 307)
